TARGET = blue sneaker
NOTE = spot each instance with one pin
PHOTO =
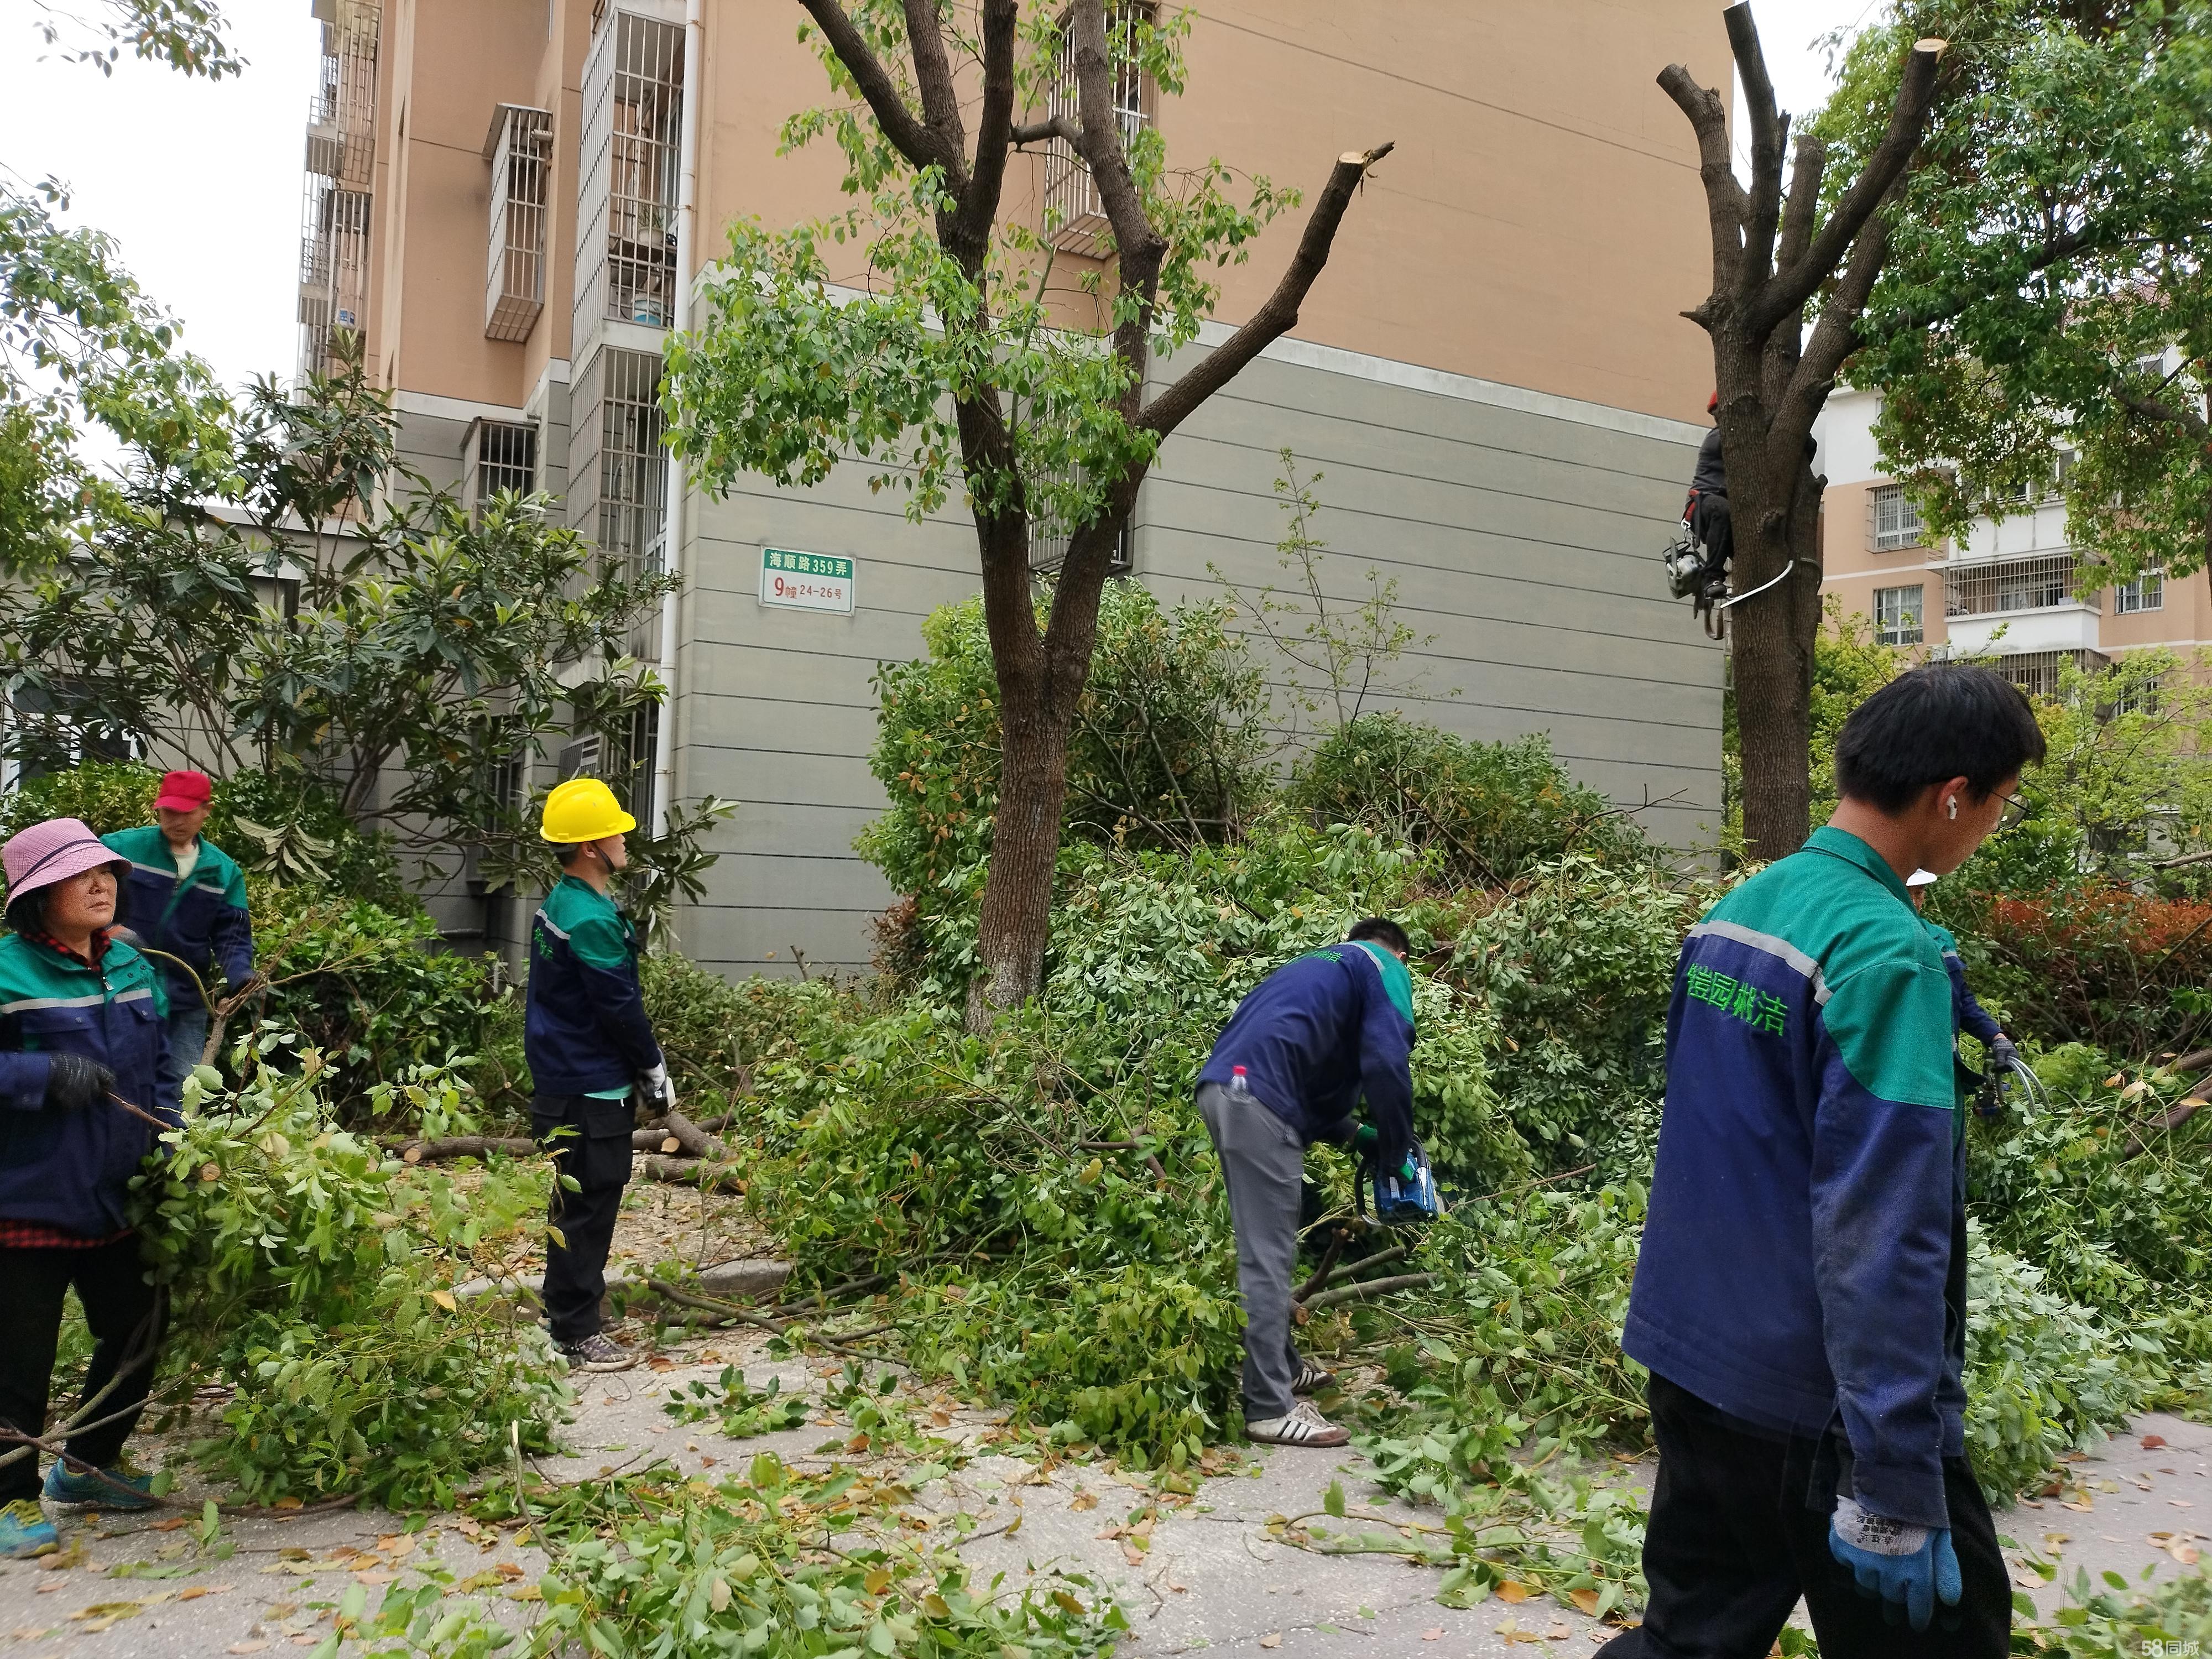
(25, 1532)
(65, 1486)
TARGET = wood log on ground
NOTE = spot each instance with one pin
(695, 1140)
(711, 1176)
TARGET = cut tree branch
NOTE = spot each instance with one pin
(1769, 134)
(1727, 206)
(1280, 313)
(1036, 132)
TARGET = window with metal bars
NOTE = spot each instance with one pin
(2003, 585)
(1896, 519)
(520, 147)
(1074, 216)
(647, 114)
(2037, 672)
(633, 471)
(1049, 538)
(1898, 614)
(506, 459)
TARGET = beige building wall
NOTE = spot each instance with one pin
(1492, 373)
(1965, 608)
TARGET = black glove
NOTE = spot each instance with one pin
(74, 1083)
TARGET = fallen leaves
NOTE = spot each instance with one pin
(2153, 1442)
(1273, 1639)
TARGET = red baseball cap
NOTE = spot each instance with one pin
(184, 791)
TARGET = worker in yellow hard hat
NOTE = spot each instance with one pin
(594, 1063)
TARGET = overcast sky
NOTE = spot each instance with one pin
(201, 184)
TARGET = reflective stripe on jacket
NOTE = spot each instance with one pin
(72, 1169)
(1803, 1260)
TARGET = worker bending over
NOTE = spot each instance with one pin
(1800, 1299)
(594, 1060)
(1288, 1070)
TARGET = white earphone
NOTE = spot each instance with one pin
(1955, 806)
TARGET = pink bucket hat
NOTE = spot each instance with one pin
(51, 852)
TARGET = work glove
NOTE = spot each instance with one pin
(2003, 1057)
(656, 1096)
(74, 1083)
(1911, 1568)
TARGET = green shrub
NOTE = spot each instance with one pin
(1487, 811)
(316, 1278)
(1167, 748)
(2045, 1375)
(373, 990)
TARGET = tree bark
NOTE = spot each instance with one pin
(1772, 378)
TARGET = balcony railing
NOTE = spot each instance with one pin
(1999, 585)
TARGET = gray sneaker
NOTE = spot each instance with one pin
(596, 1354)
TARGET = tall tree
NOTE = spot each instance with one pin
(951, 369)
(1774, 251)
(2050, 292)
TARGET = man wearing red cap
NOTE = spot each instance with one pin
(185, 898)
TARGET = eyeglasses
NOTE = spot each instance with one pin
(2016, 814)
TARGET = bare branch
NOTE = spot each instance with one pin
(1769, 134)
(1036, 132)
(1805, 176)
(1834, 337)
(908, 135)
(1726, 205)
(1915, 92)
(1280, 313)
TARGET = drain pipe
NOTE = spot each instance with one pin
(687, 216)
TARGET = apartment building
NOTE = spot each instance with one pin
(1491, 376)
(2006, 593)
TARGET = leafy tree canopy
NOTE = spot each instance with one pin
(2046, 289)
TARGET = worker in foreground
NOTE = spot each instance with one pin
(1800, 1299)
(80, 1019)
(185, 898)
(1288, 1070)
(594, 1062)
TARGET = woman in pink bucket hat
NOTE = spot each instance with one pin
(80, 1047)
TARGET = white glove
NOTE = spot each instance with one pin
(658, 1094)
(1875, 1534)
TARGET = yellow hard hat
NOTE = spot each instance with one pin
(584, 809)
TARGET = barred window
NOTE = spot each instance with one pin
(506, 459)
(1897, 614)
(648, 111)
(1896, 519)
(633, 471)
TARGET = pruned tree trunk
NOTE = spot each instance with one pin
(1771, 253)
